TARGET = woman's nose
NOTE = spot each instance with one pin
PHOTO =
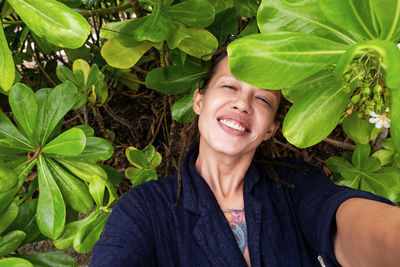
(242, 103)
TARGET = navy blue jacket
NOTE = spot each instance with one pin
(286, 227)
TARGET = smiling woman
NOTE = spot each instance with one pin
(230, 213)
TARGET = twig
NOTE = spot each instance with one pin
(339, 144)
(105, 11)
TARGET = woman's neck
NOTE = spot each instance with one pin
(224, 174)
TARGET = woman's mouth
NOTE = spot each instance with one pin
(233, 125)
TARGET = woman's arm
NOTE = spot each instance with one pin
(368, 233)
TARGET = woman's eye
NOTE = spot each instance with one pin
(229, 87)
(263, 100)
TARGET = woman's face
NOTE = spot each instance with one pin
(235, 117)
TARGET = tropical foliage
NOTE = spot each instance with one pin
(337, 62)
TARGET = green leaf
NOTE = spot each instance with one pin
(78, 53)
(15, 262)
(89, 234)
(50, 214)
(357, 129)
(201, 43)
(89, 131)
(8, 216)
(26, 221)
(70, 143)
(395, 117)
(175, 79)
(83, 66)
(144, 176)
(225, 23)
(149, 152)
(7, 69)
(388, 15)
(278, 60)
(221, 5)
(389, 52)
(180, 33)
(97, 185)
(132, 172)
(354, 16)
(8, 130)
(8, 179)
(71, 229)
(9, 147)
(65, 74)
(251, 28)
(155, 161)
(96, 149)
(46, 259)
(312, 118)
(136, 157)
(321, 79)
(157, 27)
(113, 175)
(123, 31)
(361, 155)
(182, 110)
(122, 57)
(11, 241)
(43, 44)
(60, 100)
(298, 16)
(74, 191)
(246, 8)
(24, 106)
(22, 171)
(193, 13)
(83, 170)
(60, 25)
(385, 156)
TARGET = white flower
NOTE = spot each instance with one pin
(398, 45)
(380, 120)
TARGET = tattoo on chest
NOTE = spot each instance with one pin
(237, 221)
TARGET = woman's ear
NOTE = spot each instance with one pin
(197, 101)
(272, 130)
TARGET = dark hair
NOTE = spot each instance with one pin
(192, 133)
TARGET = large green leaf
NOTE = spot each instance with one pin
(70, 143)
(24, 106)
(50, 214)
(201, 43)
(157, 27)
(122, 57)
(298, 16)
(47, 259)
(181, 32)
(96, 149)
(321, 79)
(15, 262)
(83, 170)
(71, 229)
(26, 221)
(277, 60)
(361, 155)
(8, 178)
(338, 164)
(384, 182)
(395, 117)
(312, 118)
(357, 129)
(11, 241)
(182, 110)
(8, 216)
(60, 100)
(89, 234)
(388, 51)
(74, 191)
(225, 23)
(7, 71)
(388, 14)
(193, 13)
(123, 31)
(9, 131)
(60, 25)
(22, 171)
(97, 186)
(175, 79)
(246, 8)
(352, 15)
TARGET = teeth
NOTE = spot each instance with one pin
(233, 125)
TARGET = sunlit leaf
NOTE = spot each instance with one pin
(193, 13)
(201, 43)
(7, 70)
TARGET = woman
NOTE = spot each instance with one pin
(230, 213)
